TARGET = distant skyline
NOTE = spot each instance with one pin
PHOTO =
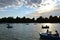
(29, 8)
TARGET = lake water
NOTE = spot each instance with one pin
(25, 31)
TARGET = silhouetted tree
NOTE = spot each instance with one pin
(40, 19)
(46, 20)
(51, 19)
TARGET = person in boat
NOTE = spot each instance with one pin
(48, 32)
(9, 26)
(57, 34)
(47, 26)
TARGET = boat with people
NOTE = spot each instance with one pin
(49, 36)
(45, 27)
(27, 23)
(9, 26)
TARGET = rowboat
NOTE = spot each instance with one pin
(49, 36)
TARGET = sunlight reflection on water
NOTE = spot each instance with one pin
(51, 27)
(25, 32)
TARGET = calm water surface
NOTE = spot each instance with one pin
(24, 31)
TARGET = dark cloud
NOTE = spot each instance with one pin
(18, 3)
(10, 3)
(33, 3)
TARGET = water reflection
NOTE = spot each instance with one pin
(51, 27)
(25, 32)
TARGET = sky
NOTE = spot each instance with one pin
(29, 8)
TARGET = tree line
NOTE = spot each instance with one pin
(51, 19)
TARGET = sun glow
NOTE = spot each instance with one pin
(51, 27)
(48, 24)
(48, 5)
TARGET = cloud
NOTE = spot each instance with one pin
(58, 2)
(10, 3)
(19, 3)
(33, 3)
(55, 12)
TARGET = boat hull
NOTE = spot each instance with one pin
(49, 37)
(9, 27)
